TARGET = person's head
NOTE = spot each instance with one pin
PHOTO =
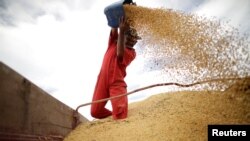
(131, 37)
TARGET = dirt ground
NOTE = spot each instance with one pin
(171, 116)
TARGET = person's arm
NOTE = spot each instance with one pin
(113, 36)
(121, 38)
(114, 31)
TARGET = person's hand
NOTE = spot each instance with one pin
(133, 3)
(130, 41)
(123, 26)
(130, 2)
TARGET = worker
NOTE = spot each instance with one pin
(110, 81)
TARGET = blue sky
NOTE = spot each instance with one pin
(59, 44)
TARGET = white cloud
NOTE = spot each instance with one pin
(235, 11)
(15, 11)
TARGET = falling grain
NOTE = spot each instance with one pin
(191, 46)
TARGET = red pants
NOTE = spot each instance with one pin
(119, 105)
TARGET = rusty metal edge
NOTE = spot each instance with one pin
(4, 136)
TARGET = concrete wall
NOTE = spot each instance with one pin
(25, 108)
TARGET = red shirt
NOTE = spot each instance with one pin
(113, 71)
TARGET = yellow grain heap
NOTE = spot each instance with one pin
(176, 116)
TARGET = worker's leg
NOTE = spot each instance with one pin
(98, 110)
(119, 105)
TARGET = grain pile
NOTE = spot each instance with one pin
(172, 116)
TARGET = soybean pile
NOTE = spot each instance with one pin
(189, 48)
(171, 116)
